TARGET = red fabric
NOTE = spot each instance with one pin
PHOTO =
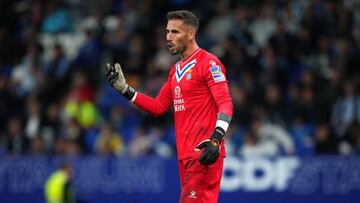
(196, 95)
(200, 183)
(156, 106)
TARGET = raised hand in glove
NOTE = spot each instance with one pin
(116, 78)
(211, 147)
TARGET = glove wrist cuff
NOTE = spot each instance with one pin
(218, 135)
(129, 92)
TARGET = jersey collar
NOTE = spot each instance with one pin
(189, 58)
(189, 63)
(181, 72)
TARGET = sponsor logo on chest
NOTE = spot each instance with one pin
(179, 104)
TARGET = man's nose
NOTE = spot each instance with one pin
(169, 37)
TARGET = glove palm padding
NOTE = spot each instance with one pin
(116, 77)
(210, 154)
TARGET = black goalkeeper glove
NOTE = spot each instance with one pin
(211, 147)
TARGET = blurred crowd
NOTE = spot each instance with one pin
(293, 69)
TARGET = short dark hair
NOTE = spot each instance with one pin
(186, 16)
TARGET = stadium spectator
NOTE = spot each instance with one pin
(139, 145)
(350, 144)
(267, 139)
(58, 187)
(346, 109)
(36, 146)
(15, 141)
(109, 142)
(252, 147)
(326, 142)
(57, 19)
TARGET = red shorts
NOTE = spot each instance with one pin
(200, 183)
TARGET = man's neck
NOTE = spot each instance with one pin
(189, 52)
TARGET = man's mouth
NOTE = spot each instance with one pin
(170, 46)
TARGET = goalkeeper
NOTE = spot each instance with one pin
(197, 91)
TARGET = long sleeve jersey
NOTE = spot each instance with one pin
(197, 91)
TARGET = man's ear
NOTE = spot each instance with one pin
(191, 34)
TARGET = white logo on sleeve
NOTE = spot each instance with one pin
(192, 195)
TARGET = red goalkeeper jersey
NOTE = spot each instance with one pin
(196, 89)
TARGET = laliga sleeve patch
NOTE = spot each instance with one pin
(217, 74)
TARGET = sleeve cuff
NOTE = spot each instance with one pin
(222, 124)
(134, 97)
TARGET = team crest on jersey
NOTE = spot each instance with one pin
(217, 74)
(188, 74)
(187, 67)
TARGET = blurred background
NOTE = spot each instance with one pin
(294, 74)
